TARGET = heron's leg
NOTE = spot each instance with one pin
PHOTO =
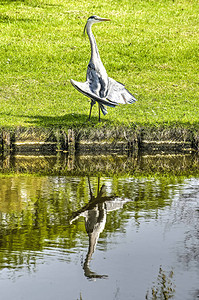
(99, 113)
(92, 103)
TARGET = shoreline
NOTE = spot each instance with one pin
(101, 165)
(116, 140)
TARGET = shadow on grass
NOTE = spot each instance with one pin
(74, 120)
(67, 121)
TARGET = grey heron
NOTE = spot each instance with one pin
(98, 86)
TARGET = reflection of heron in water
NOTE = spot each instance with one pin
(95, 219)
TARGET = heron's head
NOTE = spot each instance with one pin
(94, 19)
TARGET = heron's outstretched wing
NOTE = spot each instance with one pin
(118, 93)
(84, 88)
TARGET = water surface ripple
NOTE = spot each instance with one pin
(65, 237)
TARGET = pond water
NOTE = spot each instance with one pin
(99, 237)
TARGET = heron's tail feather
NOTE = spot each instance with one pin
(103, 109)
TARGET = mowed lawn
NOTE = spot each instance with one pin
(150, 46)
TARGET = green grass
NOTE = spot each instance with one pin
(150, 46)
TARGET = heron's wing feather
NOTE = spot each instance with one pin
(118, 93)
(84, 88)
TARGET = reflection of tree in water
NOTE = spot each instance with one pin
(38, 207)
(164, 288)
(186, 211)
(95, 213)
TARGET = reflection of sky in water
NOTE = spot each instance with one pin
(143, 243)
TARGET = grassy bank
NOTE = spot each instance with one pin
(151, 46)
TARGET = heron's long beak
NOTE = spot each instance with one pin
(104, 19)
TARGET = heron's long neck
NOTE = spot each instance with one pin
(94, 50)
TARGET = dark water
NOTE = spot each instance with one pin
(88, 238)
